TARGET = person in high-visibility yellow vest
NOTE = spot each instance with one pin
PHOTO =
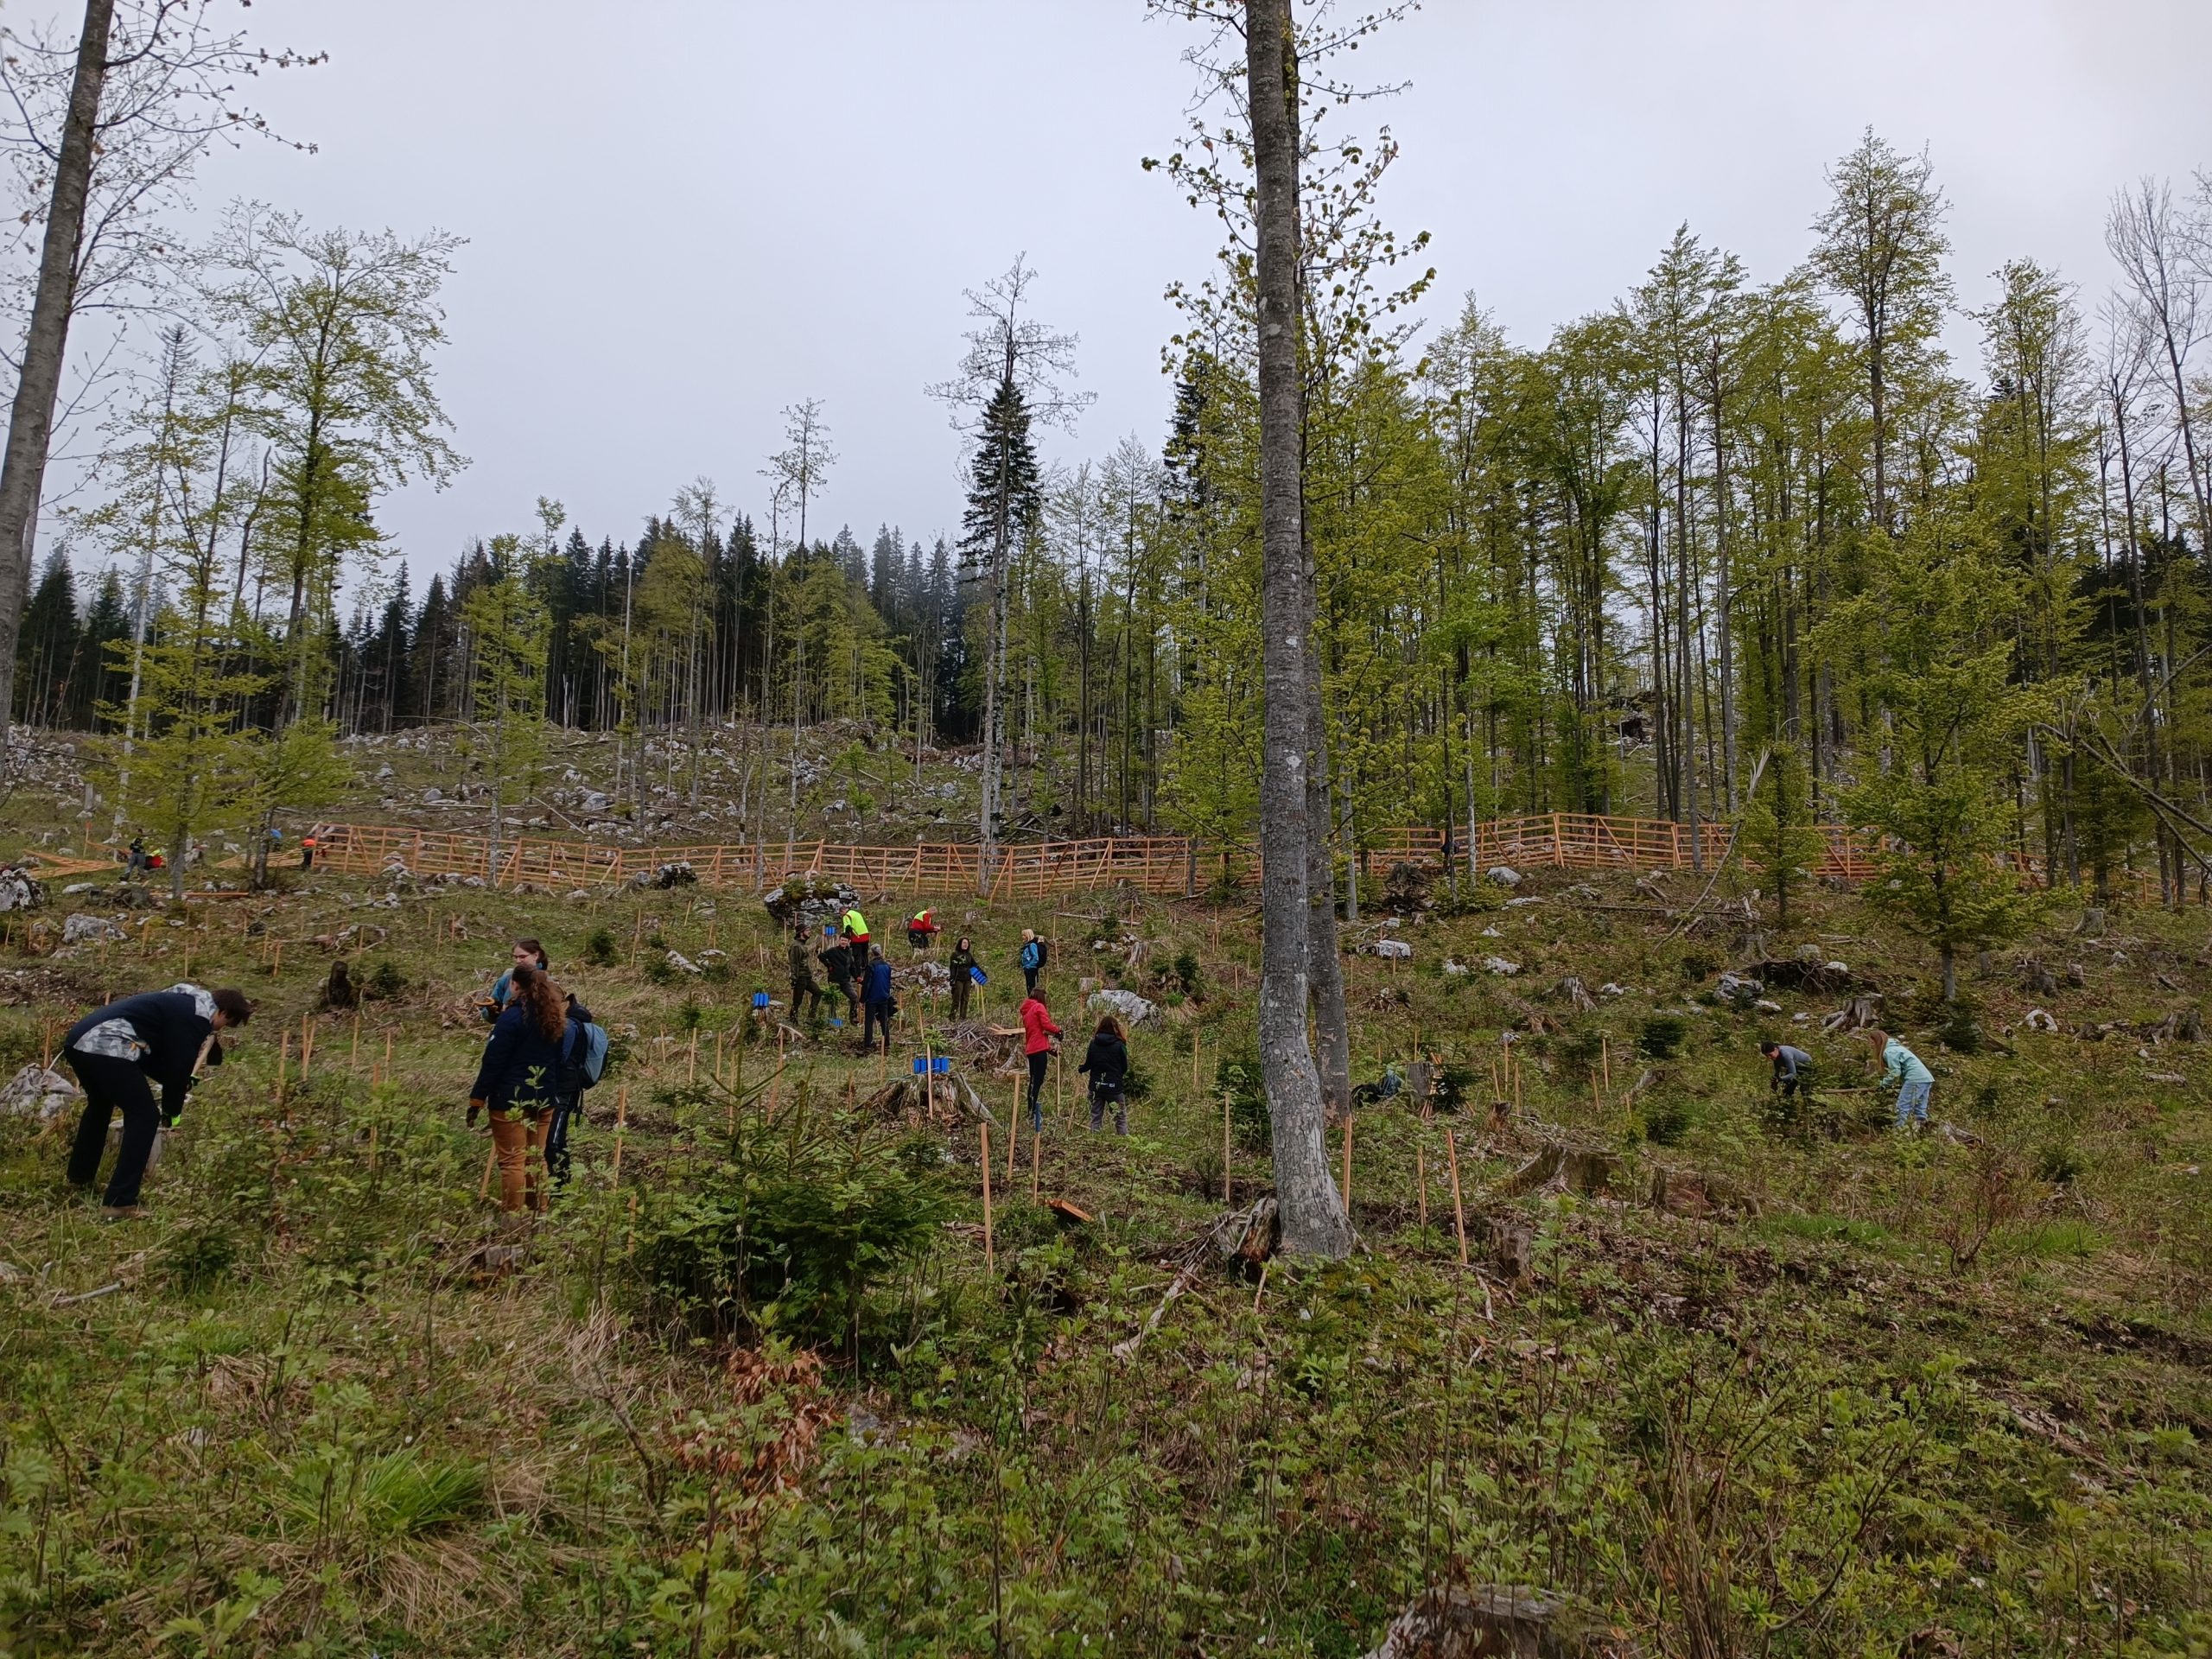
(921, 929)
(855, 926)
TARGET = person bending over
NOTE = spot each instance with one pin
(118, 1052)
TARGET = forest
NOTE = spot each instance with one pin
(1721, 522)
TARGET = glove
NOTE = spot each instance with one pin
(474, 1106)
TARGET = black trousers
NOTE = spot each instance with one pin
(566, 1111)
(1038, 1062)
(1029, 977)
(879, 1014)
(805, 990)
(109, 1083)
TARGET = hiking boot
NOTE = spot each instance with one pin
(124, 1212)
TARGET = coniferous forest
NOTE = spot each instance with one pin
(1729, 1185)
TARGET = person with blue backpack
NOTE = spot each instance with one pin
(583, 1060)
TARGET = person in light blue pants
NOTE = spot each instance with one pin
(1905, 1067)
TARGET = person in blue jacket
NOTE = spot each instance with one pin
(528, 953)
(117, 1053)
(518, 1085)
(875, 999)
(1909, 1072)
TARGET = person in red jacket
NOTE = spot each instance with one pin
(1037, 1033)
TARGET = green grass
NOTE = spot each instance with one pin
(318, 1419)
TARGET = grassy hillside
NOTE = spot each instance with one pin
(1839, 1391)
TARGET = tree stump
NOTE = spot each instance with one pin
(1488, 1622)
(2092, 925)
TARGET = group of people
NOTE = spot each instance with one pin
(528, 1080)
(1793, 1074)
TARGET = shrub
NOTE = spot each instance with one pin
(1666, 1120)
(1697, 967)
(385, 982)
(1238, 1076)
(1660, 1036)
(1186, 972)
(805, 1217)
(2057, 1164)
(598, 948)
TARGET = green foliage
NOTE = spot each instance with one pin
(600, 949)
(1238, 1075)
(1777, 834)
(1662, 1035)
(794, 1229)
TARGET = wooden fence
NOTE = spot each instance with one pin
(1173, 865)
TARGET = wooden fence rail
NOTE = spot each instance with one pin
(1174, 865)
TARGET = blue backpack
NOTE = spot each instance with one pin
(583, 1056)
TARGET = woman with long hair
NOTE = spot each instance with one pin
(519, 1084)
(526, 953)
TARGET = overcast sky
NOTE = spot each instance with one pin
(684, 214)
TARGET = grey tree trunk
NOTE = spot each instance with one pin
(30, 423)
(1313, 1214)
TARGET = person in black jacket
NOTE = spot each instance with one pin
(568, 1103)
(1107, 1061)
(843, 963)
(117, 1051)
(518, 1085)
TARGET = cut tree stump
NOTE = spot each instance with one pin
(1561, 1168)
(1688, 1193)
(1491, 1622)
(2092, 925)
(1862, 1013)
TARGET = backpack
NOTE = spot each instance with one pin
(583, 1056)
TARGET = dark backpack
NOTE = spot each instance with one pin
(583, 1056)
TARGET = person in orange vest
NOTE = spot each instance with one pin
(922, 929)
(307, 851)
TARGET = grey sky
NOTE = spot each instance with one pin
(683, 215)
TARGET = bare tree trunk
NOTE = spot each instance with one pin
(1313, 1219)
(30, 423)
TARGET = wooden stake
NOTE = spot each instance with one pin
(1225, 1148)
(1013, 1134)
(1606, 1059)
(283, 1060)
(1347, 1184)
(1035, 1145)
(1195, 1046)
(372, 1150)
(1597, 1099)
(718, 1057)
(1458, 1210)
(985, 1129)
(353, 1050)
(387, 1054)
(621, 1123)
(1421, 1187)
(1517, 1089)
(307, 1044)
(691, 1059)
